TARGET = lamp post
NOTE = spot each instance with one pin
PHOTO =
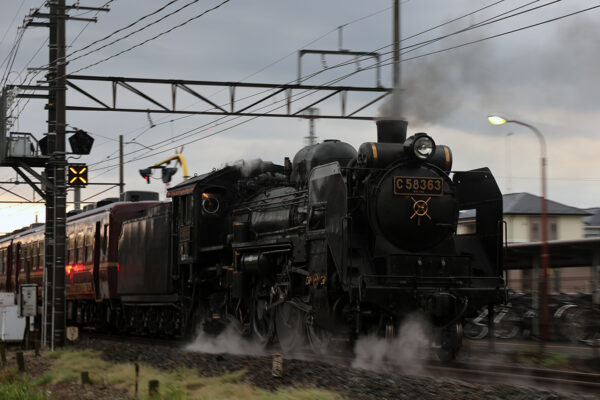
(544, 256)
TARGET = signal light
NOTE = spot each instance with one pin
(81, 142)
(77, 175)
(167, 173)
(146, 173)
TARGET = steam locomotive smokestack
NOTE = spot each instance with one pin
(391, 130)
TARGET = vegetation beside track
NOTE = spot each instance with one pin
(179, 384)
(14, 386)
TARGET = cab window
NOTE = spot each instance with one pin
(186, 209)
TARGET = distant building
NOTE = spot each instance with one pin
(522, 214)
(592, 223)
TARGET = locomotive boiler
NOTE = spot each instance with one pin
(335, 244)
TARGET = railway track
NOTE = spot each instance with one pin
(475, 372)
(508, 374)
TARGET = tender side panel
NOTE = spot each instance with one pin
(145, 254)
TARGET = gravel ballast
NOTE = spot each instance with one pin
(351, 383)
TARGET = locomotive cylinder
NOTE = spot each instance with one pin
(257, 262)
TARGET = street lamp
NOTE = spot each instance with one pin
(545, 257)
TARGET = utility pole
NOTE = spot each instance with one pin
(55, 320)
(121, 172)
(397, 44)
(396, 100)
(311, 138)
(77, 198)
(53, 328)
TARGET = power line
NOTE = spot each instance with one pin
(131, 33)
(503, 33)
(485, 22)
(10, 58)
(404, 60)
(308, 76)
(294, 52)
(262, 69)
(154, 37)
(89, 22)
(13, 193)
(341, 64)
(99, 193)
(124, 28)
(39, 71)
(12, 22)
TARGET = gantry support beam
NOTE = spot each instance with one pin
(193, 87)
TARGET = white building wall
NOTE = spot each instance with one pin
(570, 227)
(517, 228)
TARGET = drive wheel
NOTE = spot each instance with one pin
(451, 341)
(263, 324)
(289, 323)
(319, 338)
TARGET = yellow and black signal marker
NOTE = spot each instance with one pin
(78, 175)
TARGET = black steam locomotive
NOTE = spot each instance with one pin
(333, 245)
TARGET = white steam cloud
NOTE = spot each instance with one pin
(248, 167)
(229, 341)
(411, 345)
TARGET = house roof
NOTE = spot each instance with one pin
(529, 204)
(594, 218)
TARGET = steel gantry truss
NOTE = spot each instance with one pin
(191, 87)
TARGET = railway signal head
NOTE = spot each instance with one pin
(146, 173)
(81, 142)
(77, 175)
(167, 173)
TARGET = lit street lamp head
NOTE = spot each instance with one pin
(496, 120)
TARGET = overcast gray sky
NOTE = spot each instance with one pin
(545, 75)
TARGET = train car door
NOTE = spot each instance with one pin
(9, 267)
(96, 270)
(17, 265)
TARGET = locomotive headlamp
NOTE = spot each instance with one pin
(423, 147)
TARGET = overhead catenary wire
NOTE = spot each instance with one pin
(187, 21)
(346, 24)
(261, 70)
(63, 59)
(147, 129)
(123, 28)
(9, 27)
(131, 33)
(405, 50)
(404, 60)
(170, 119)
(453, 47)
(340, 64)
(32, 75)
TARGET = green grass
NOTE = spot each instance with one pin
(555, 360)
(18, 387)
(179, 384)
